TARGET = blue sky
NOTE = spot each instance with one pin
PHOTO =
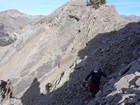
(33, 7)
(126, 7)
(44, 7)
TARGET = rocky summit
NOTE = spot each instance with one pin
(62, 48)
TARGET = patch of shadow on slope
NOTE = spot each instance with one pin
(115, 48)
(32, 94)
(22, 85)
(110, 50)
(45, 68)
(39, 73)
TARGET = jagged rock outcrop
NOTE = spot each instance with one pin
(63, 48)
(6, 38)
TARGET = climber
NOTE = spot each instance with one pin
(94, 82)
(10, 89)
(6, 88)
(3, 88)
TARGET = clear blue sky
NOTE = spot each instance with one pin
(126, 7)
(44, 7)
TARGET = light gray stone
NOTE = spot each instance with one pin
(124, 82)
(110, 98)
(98, 94)
(138, 82)
(137, 73)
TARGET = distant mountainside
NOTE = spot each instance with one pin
(12, 13)
(132, 18)
(12, 22)
(16, 13)
(15, 18)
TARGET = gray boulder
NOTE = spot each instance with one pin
(138, 82)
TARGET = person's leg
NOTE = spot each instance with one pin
(7, 94)
(11, 90)
(11, 95)
(94, 88)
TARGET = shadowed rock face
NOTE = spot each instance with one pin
(63, 48)
(5, 39)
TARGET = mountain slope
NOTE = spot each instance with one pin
(63, 48)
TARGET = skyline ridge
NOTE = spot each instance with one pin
(45, 7)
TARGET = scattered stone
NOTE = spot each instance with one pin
(132, 101)
(79, 64)
(137, 73)
(132, 86)
(116, 99)
(138, 82)
(108, 86)
(98, 93)
(110, 98)
(122, 83)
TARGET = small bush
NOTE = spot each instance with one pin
(101, 2)
(96, 3)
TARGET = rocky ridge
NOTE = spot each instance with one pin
(63, 48)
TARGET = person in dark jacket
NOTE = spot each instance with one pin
(95, 77)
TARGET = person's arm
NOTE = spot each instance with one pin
(104, 75)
